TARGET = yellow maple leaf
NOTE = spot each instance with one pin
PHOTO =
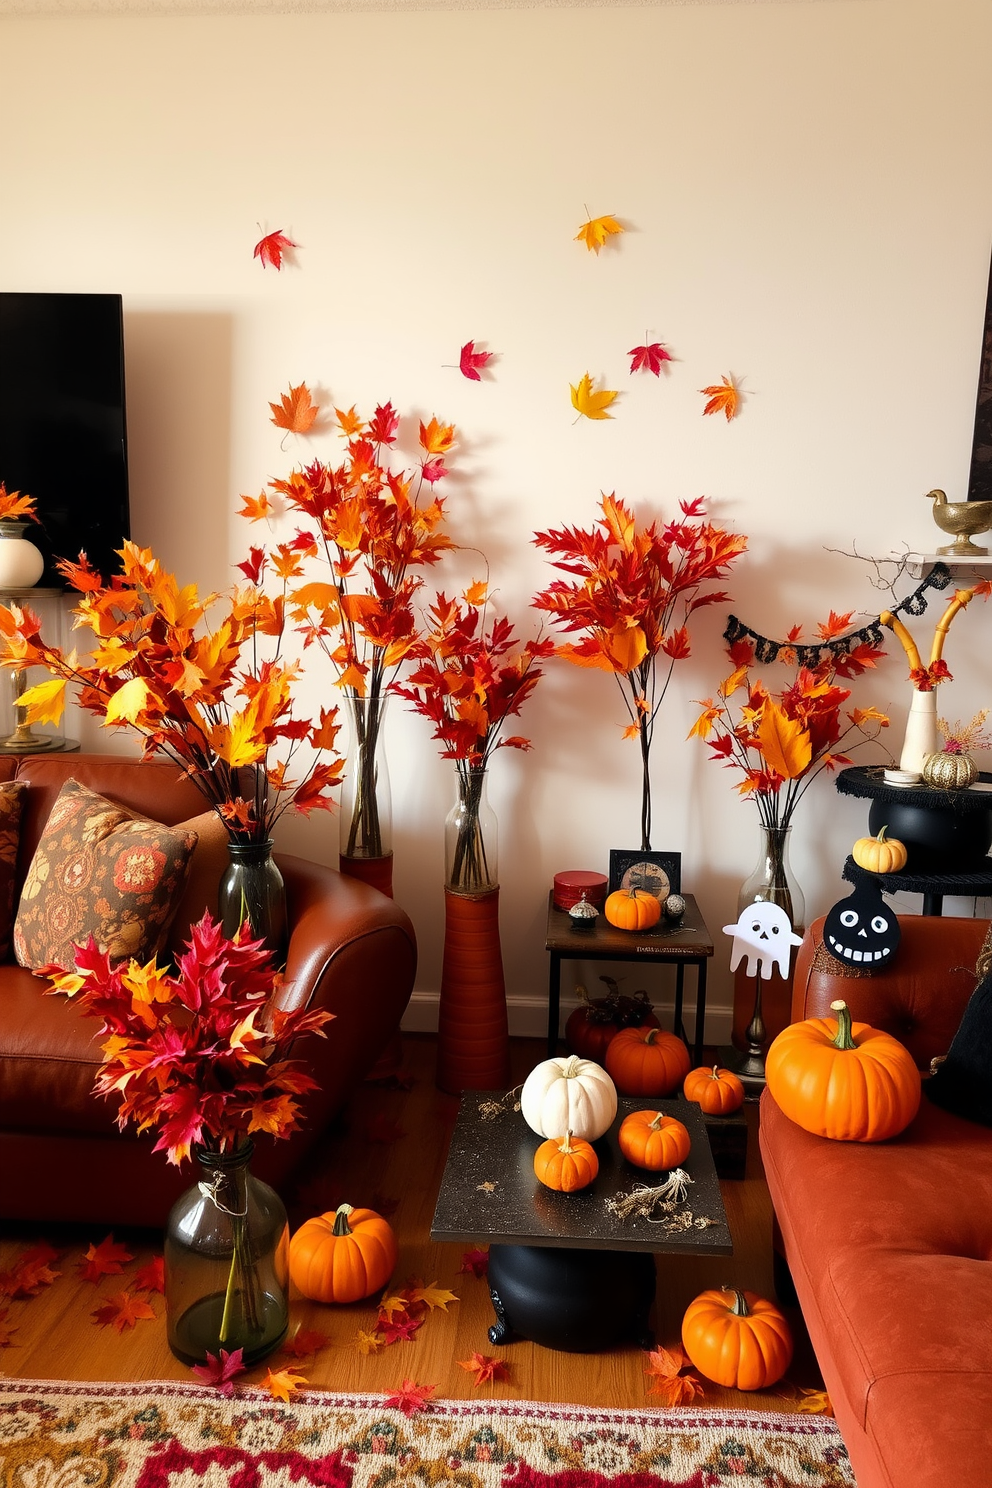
(45, 701)
(589, 404)
(433, 1296)
(282, 1383)
(815, 1402)
(368, 1343)
(239, 742)
(435, 438)
(785, 744)
(128, 701)
(595, 232)
(476, 593)
(733, 682)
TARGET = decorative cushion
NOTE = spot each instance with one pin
(962, 1082)
(11, 801)
(99, 870)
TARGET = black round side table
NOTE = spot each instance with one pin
(947, 835)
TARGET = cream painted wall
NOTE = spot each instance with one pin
(807, 192)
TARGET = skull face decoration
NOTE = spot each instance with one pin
(861, 930)
(764, 935)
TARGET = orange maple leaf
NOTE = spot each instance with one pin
(282, 1383)
(595, 232)
(296, 411)
(256, 508)
(305, 1341)
(785, 744)
(665, 1367)
(105, 1259)
(349, 421)
(151, 1278)
(485, 1368)
(435, 438)
(122, 1311)
(724, 397)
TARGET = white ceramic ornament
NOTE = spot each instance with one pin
(764, 935)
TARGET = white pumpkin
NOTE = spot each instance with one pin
(569, 1095)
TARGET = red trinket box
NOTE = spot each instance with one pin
(569, 888)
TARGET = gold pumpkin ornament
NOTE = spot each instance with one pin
(880, 854)
(949, 771)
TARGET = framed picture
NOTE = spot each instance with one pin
(658, 872)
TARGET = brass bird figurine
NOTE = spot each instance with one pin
(962, 519)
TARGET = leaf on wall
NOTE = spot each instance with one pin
(596, 231)
(295, 411)
(587, 402)
(471, 362)
(724, 397)
(270, 249)
(648, 358)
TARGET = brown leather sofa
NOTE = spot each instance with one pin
(890, 1245)
(351, 951)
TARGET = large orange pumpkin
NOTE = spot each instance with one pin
(632, 909)
(716, 1091)
(650, 1139)
(647, 1061)
(344, 1256)
(737, 1339)
(566, 1163)
(843, 1080)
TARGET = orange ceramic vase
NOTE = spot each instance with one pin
(473, 1046)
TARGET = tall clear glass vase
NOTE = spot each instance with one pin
(471, 835)
(762, 1010)
(252, 889)
(366, 818)
(226, 1263)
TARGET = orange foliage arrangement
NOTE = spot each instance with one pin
(468, 681)
(202, 695)
(780, 741)
(373, 528)
(14, 507)
(629, 596)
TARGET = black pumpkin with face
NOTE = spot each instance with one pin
(862, 931)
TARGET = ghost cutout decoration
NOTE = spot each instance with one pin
(764, 935)
(862, 930)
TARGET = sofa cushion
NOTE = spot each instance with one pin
(99, 870)
(889, 1246)
(11, 801)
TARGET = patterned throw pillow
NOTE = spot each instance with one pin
(11, 800)
(99, 870)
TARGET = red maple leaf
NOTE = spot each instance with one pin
(665, 1366)
(485, 1368)
(221, 1370)
(410, 1397)
(401, 1326)
(151, 1278)
(271, 248)
(648, 358)
(30, 1272)
(471, 361)
(121, 1311)
(474, 1263)
(305, 1341)
(105, 1259)
(434, 470)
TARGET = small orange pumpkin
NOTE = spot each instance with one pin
(880, 854)
(566, 1163)
(737, 1339)
(647, 1061)
(632, 909)
(843, 1080)
(650, 1139)
(716, 1091)
(344, 1256)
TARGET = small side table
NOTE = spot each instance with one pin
(687, 942)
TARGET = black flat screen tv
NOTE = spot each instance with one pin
(63, 434)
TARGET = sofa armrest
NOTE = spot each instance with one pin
(919, 999)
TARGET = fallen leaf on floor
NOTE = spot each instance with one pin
(6, 1332)
(393, 1304)
(410, 1397)
(432, 1296)
(485, 1368)
(368, 1343)
(221, 1370)
(151, 1278)
(122, 1311)
(106, 1259)
(400, 1327)
(595, 232)
(30, 1272)
(474, 1263)
(674, 1387)
(815, 1402)
(282, 1383)
(384, 1129)
(305, 1341)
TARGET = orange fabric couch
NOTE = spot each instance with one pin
(352, 951)
(890, 1244)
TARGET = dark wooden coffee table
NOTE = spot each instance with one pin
(564, 1270)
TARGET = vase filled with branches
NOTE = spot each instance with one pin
(470, 676)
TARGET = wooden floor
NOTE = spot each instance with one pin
(390, 1151)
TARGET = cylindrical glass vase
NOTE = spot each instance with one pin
(366, 804)
(772, 881)
(252, 889)
(226, 1263)
(763, 1010)
(470, 836)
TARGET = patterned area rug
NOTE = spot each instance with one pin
(166, 1435)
